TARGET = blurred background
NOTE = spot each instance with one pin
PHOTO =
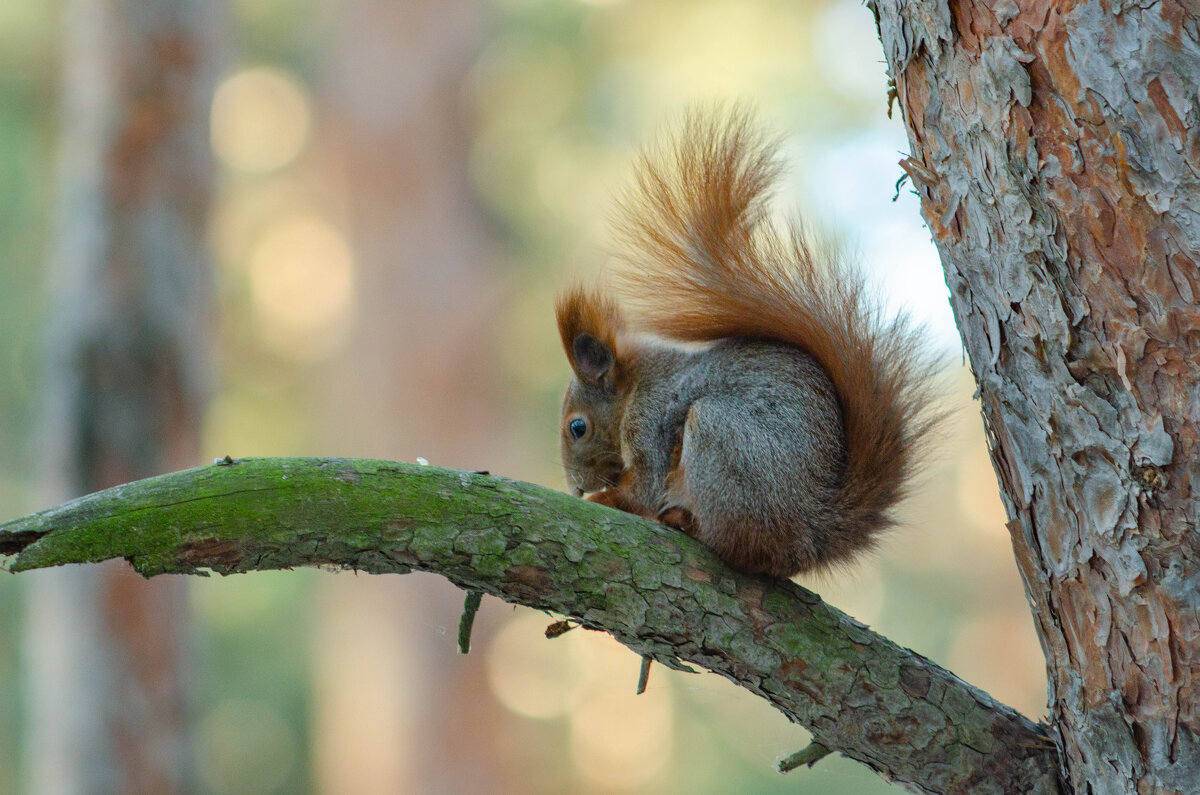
(306, 227)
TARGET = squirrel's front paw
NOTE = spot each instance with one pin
(680, 518)
(616, 498)
(605, 497)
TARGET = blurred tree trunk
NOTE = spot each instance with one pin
(125, 372)
(423, 380)
(1056, 153)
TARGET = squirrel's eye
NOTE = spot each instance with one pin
(577, 427)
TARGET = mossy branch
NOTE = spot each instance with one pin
(654, 589)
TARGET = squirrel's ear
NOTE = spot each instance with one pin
(591, 359)
(589, 323)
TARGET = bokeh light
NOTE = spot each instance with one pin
(261, 118)
(302, 284)
(620, 740)
(530, 676)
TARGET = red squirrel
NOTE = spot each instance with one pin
(731, 381)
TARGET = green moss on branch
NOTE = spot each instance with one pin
(653, 588)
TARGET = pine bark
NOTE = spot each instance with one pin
(1056, 151)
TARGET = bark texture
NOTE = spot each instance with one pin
(657, 591)
(1056, 150)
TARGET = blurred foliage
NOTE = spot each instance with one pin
(251, 666)
(559, 97)
(27, 71)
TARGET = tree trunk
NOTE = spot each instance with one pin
(124, 373)
(1056, 154)
(395, 140)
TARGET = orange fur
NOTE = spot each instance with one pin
(580, 310)
(706, 263)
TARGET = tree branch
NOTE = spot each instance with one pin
(654, 589)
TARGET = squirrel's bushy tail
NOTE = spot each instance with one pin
(706, 263)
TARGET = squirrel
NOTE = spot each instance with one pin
(743, 389)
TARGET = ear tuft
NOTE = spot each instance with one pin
(589, 324)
